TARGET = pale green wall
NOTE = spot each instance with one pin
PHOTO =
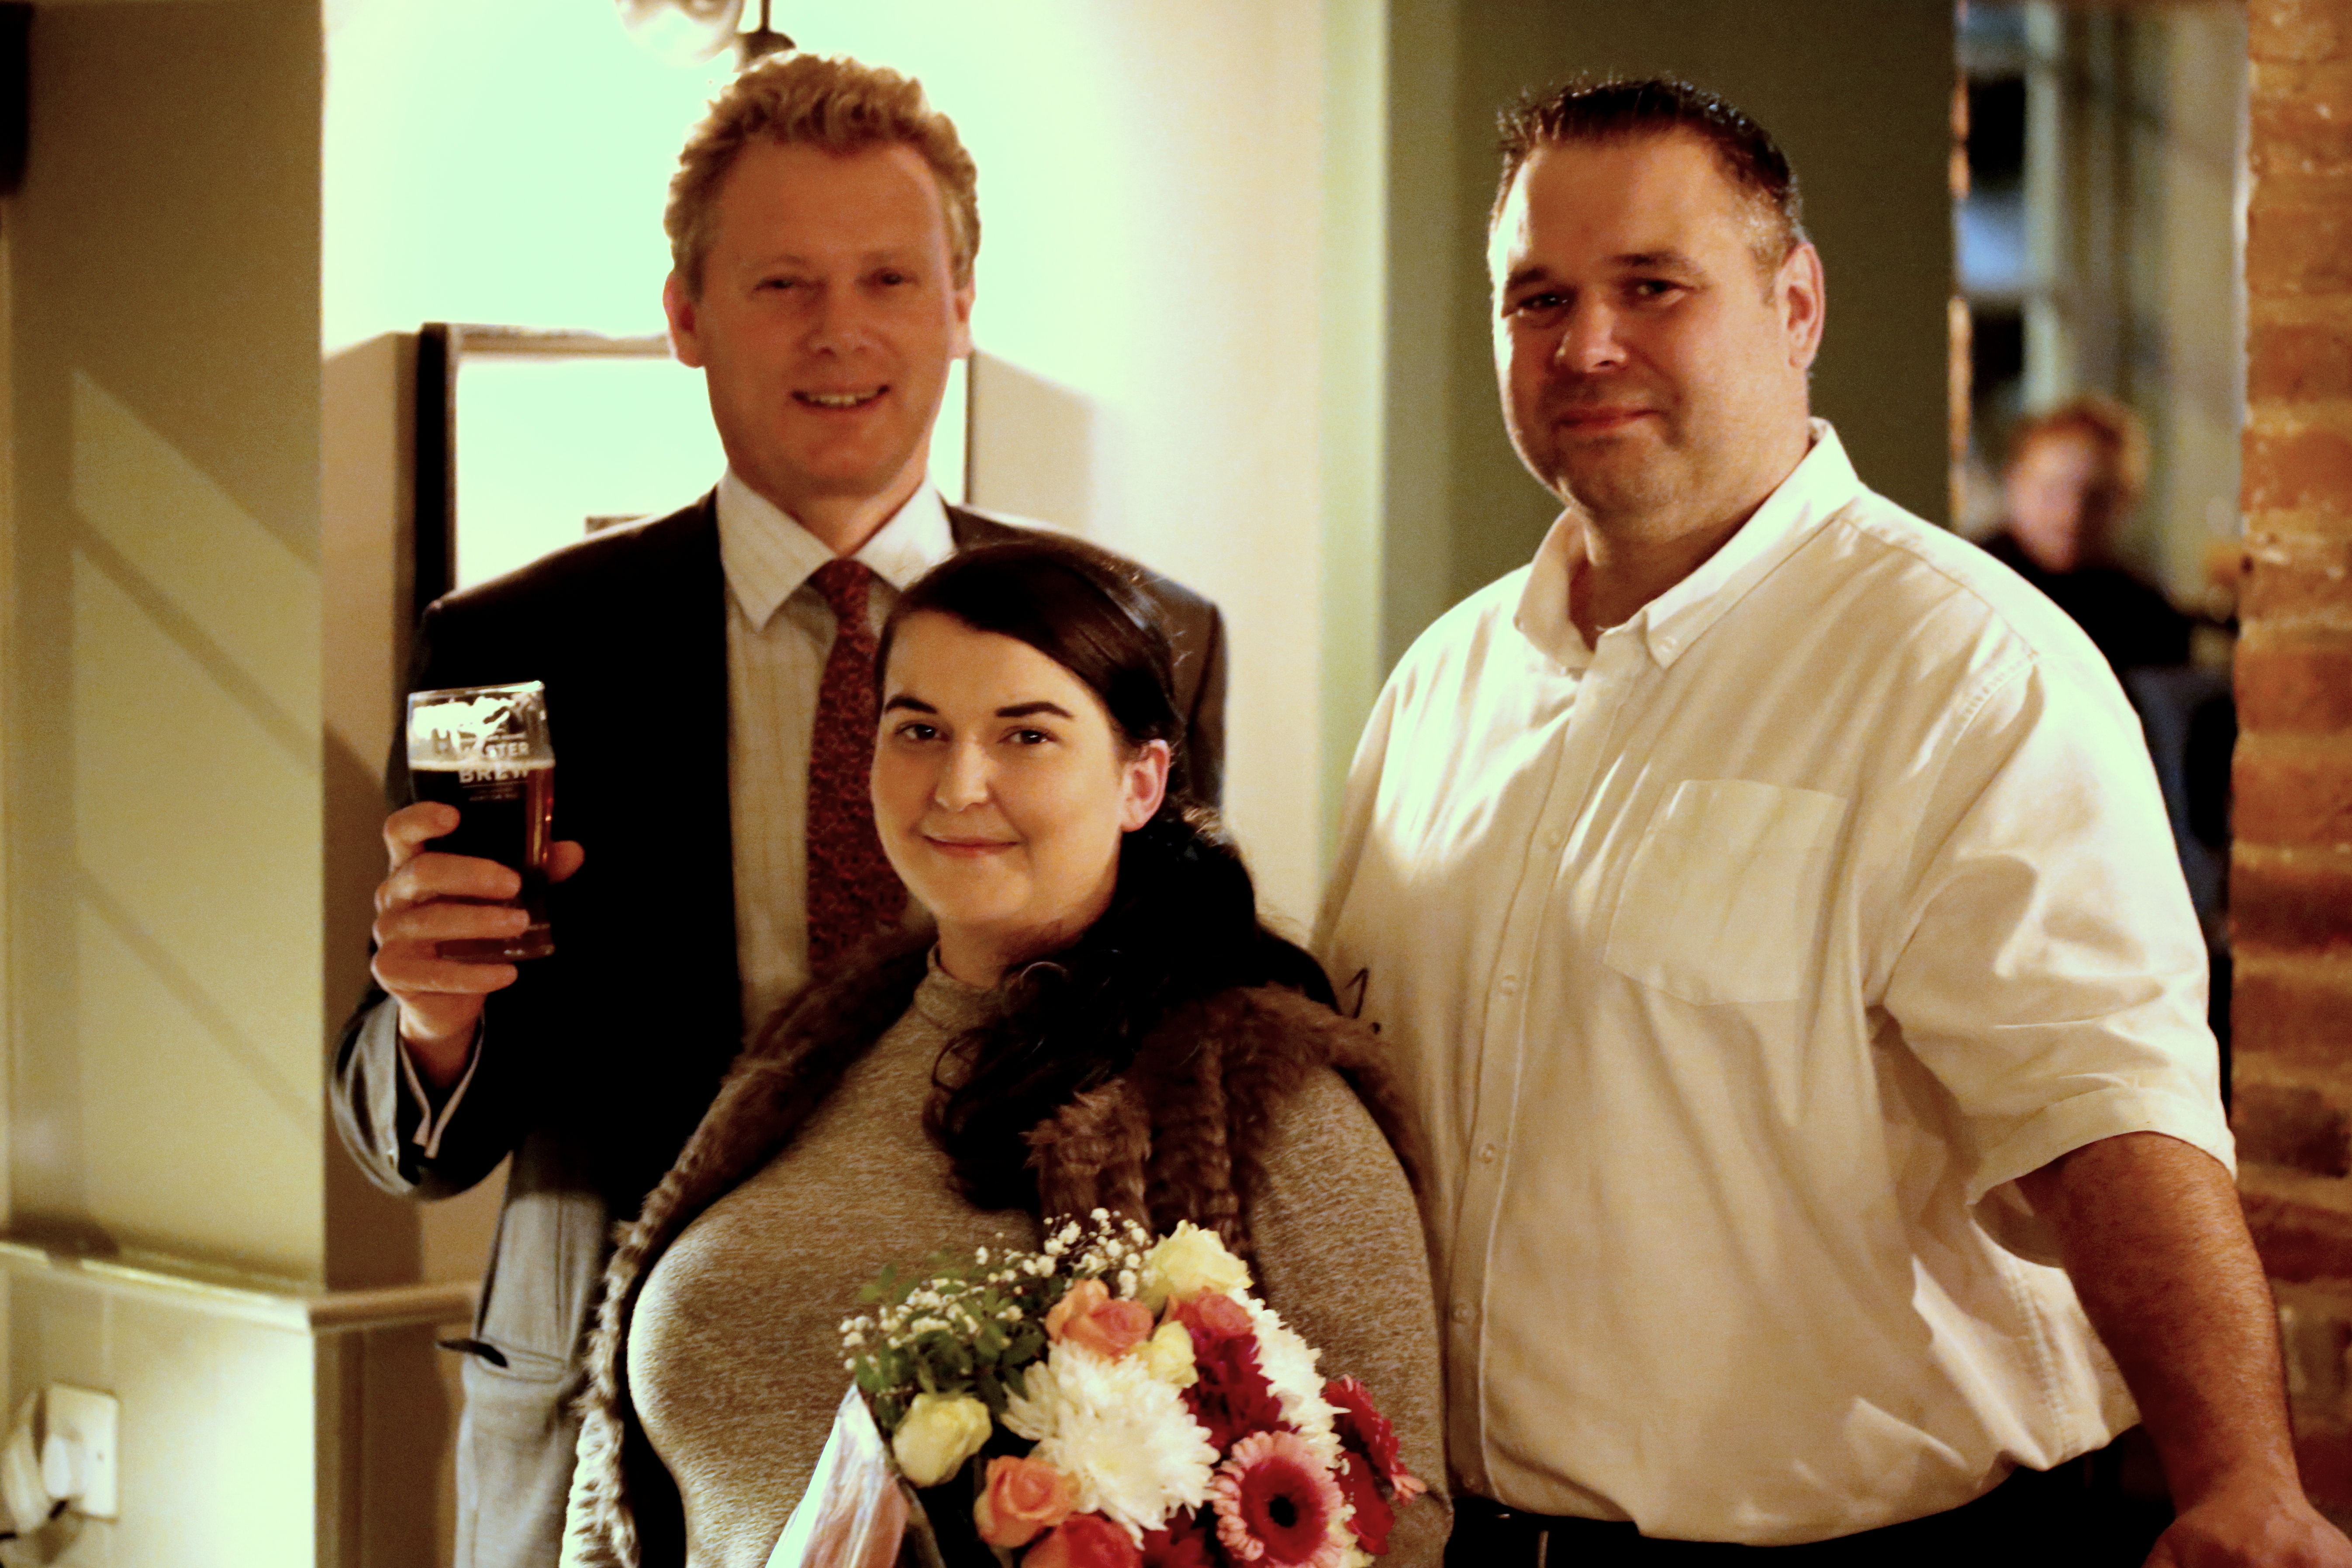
(1858, 93)
(162, 689)
(159, 703)
(1354, 294)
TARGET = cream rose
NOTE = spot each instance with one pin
(1189, 1261)
(940, 1433)
(1168, 1355)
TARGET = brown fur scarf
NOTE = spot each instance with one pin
(1179, 1137)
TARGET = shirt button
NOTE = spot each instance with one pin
(1487, 1155)
(1462, 1311)
(1510, 985)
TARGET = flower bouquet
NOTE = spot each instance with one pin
(1122, 1402)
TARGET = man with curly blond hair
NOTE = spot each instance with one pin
(709, 682)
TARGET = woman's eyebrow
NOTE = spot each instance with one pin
(912, 705)
(1023, 710)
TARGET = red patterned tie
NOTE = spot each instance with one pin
(852, 890)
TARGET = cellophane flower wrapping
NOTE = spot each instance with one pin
(1118, 1400)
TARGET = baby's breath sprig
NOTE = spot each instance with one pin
(970, 1325)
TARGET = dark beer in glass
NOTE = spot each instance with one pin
(485, 750)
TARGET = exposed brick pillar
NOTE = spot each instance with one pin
(2291, 869)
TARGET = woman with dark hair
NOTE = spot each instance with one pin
(1099, 1018)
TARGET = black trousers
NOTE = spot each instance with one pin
(2066, 1516)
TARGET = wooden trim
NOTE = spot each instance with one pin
(222, 1292)
(435, 493)
(535, 342)
(441, 349)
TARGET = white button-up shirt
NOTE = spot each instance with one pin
(1735, 968)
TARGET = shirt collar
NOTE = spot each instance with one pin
(767, 556)
(1819, 486)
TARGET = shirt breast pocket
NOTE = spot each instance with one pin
(1722, 900)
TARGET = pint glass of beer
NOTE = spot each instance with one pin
(484, 749)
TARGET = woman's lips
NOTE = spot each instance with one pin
(966, 849)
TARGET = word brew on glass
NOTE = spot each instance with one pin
(485, 750)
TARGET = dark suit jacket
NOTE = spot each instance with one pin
(598, 1061)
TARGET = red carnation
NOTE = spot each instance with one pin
(1364, 1430)
(1182, 1543)
(1232, 1399)
(1373, 1517)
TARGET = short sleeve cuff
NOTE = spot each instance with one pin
(2070, 1125)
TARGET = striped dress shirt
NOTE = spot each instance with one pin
(778, 635)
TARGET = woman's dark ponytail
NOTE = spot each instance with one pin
(1182, 927)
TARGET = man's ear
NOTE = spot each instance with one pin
(961, 346)
(684, 320)
(1143, 785)
(1803, 297)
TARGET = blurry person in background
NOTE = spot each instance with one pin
(2074, 473)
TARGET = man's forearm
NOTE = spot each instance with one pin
(2157, 1247)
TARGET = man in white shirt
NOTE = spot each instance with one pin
(1770, 903)
(710, 700)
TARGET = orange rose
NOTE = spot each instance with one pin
(1090, 1316)
(1023, 1496)
(1085, 1540)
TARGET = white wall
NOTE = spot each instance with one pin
(1151, 213)
(500, 163)
(1153, 247)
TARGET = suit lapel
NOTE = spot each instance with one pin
(654, 676)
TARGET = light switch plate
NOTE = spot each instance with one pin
(90, 1420)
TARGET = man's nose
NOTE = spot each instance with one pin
(1589, 341)
(963, 779)
(837, 318)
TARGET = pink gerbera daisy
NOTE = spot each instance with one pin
(1276, 1505)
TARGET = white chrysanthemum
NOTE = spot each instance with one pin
(1289, 1365)
(1120, 1433)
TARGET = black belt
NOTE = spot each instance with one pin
(2034, 1517)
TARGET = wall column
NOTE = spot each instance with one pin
(2290, 876)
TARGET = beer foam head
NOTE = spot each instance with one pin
(449, 727)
